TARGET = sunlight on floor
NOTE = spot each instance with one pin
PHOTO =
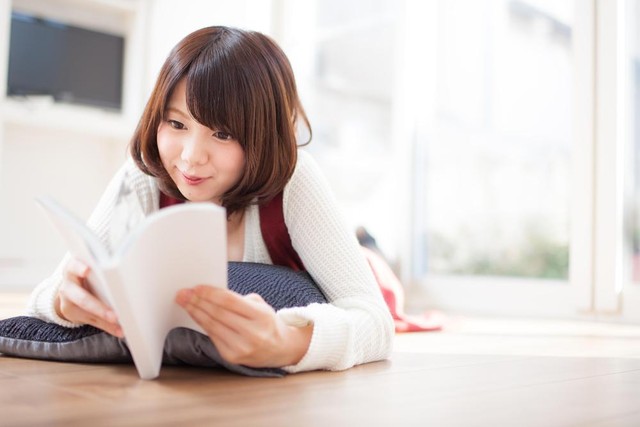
(533, 337)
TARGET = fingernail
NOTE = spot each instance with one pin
(85, 272)
(184, 296)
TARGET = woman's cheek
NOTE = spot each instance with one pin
(164, 146)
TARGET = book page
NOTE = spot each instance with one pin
(178, 247)
(81, 243)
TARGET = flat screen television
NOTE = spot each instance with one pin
(71, 64)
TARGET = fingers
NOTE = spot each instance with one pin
(243, 305)
(214, 316)
(78, 304)
(255, 297)
(225, 311)
(245, 329)
(76, 269)
(223, 314)
(219, 332)
(76, 314)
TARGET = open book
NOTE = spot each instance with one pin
(177, 247)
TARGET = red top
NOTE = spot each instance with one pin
(276, 235)
(166, 201)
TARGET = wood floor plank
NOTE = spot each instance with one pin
(489, 373)
(617, 344)
(411, 389)
(376, 401)
(25, 403)
(578, 402)
(28, 367)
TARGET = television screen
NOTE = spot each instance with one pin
(71, 64)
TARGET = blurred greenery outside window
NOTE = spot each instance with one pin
(632, 63)
(493, 182)
(496, 173)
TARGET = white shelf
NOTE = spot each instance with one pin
(106, 15)
(48, 115)
(41, 114)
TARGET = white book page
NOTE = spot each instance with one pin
(175, 248)
(81, 243)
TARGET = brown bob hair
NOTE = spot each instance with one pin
(240, 82)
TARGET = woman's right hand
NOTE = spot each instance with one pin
(77, 304)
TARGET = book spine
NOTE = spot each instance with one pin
(146, 360)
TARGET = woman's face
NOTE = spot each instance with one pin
(203, 163)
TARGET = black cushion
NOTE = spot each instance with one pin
(280, 287)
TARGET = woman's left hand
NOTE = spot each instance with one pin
(245, 329)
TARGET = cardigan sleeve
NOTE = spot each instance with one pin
(356, 326)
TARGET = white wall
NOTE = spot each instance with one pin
(170, 20)
(71, 168)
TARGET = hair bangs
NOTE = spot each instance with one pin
(212, 94)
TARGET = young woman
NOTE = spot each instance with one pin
(220, 126)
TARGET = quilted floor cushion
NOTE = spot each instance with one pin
(279, 286)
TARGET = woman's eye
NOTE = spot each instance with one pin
(175, 124)
(222, 135)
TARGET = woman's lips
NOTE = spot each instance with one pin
(192, 180)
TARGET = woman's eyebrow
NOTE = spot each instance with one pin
(177, 111)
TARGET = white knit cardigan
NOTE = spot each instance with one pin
(356, 327)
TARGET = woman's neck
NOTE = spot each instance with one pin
(235, 236)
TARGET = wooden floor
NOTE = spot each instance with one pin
(479, 372)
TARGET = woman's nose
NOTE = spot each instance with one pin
(194, 152)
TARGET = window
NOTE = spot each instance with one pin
(497, 158)
(494, 157)
(632, 64)
(482, 142)
(343, 55)
(630, 92)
